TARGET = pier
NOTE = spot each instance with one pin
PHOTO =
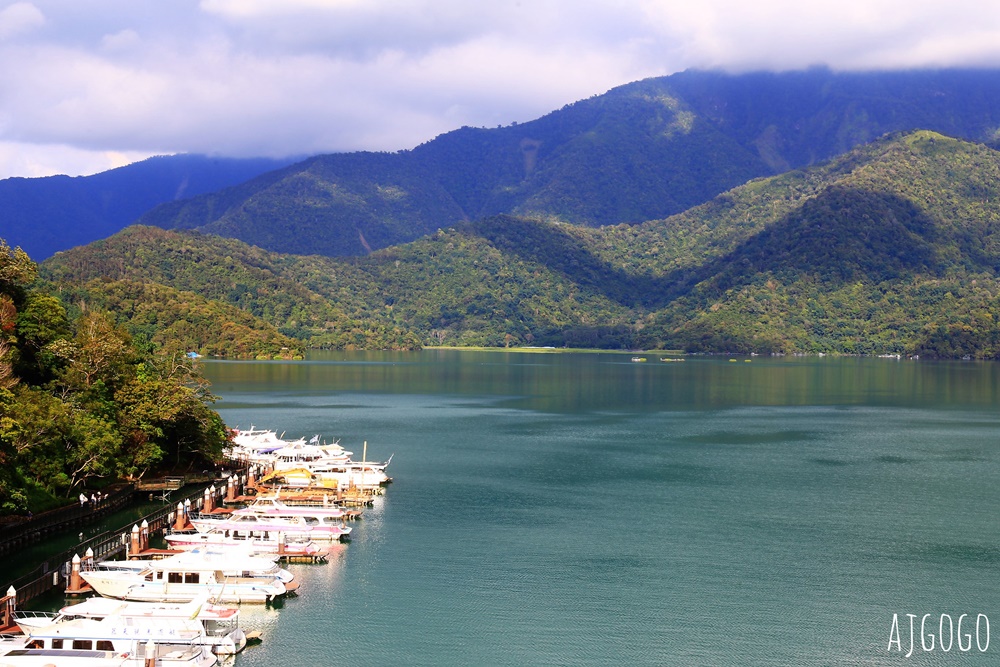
(56, 571)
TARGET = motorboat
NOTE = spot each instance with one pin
(254, 443)
(220, 623)
(222, 576)
(298, 455)
(314, 514)
(260, 544)
(114, 640)
(270, 526)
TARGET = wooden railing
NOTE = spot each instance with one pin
(54, 571)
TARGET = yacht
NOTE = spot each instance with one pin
(260, 543)
(222, 632)
(112, 641)
(296, 526)
(222, 576)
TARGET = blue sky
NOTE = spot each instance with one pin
(87, 85)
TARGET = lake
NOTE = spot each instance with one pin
(582, 509)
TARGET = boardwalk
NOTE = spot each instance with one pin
(55, 571)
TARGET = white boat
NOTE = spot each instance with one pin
(265, 447)
(259, 544)
(269, 526)
(222, 631)
(222, 576)
(301, 454)
(253, 443)
(314, 514)
(111, 641)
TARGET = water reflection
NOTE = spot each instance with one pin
(585, 382)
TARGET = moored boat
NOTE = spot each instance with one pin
(222, 576)
(291, 525)
(220, 623)
(111, 641)
(272, 544)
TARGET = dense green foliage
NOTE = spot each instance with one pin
(643, 151)
(80, 400)
(306, 298)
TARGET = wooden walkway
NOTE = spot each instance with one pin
(55, 571)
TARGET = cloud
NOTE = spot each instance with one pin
(33, 160)
(257, 77)
(18, 18)
(849, 34)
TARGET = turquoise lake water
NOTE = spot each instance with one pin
(581, 509)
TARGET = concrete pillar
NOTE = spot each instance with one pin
(206, 505)
(144, 534)
(150, 654)
(135, 548)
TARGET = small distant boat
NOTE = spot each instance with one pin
(638, 359)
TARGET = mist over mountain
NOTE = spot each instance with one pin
(642, 151)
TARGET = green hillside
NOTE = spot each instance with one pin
(890, 248)
(84, 403)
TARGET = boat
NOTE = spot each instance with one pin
(272, 544)
(270, 526)
(268, 449)
(298, 455)
(314, 515)
(220, 624)
(638, 359)
(111, 641)
(254, 443)
(222, 576)
(333, 478)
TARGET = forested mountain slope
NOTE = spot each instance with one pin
(46, 215)
(893, 247)
(642, 151)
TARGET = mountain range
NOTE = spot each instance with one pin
(642, 151)
(890, 248)
(797, 212)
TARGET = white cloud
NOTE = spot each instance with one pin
(34, 160)
(18, 18)
(121, 40)
(257, 77)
